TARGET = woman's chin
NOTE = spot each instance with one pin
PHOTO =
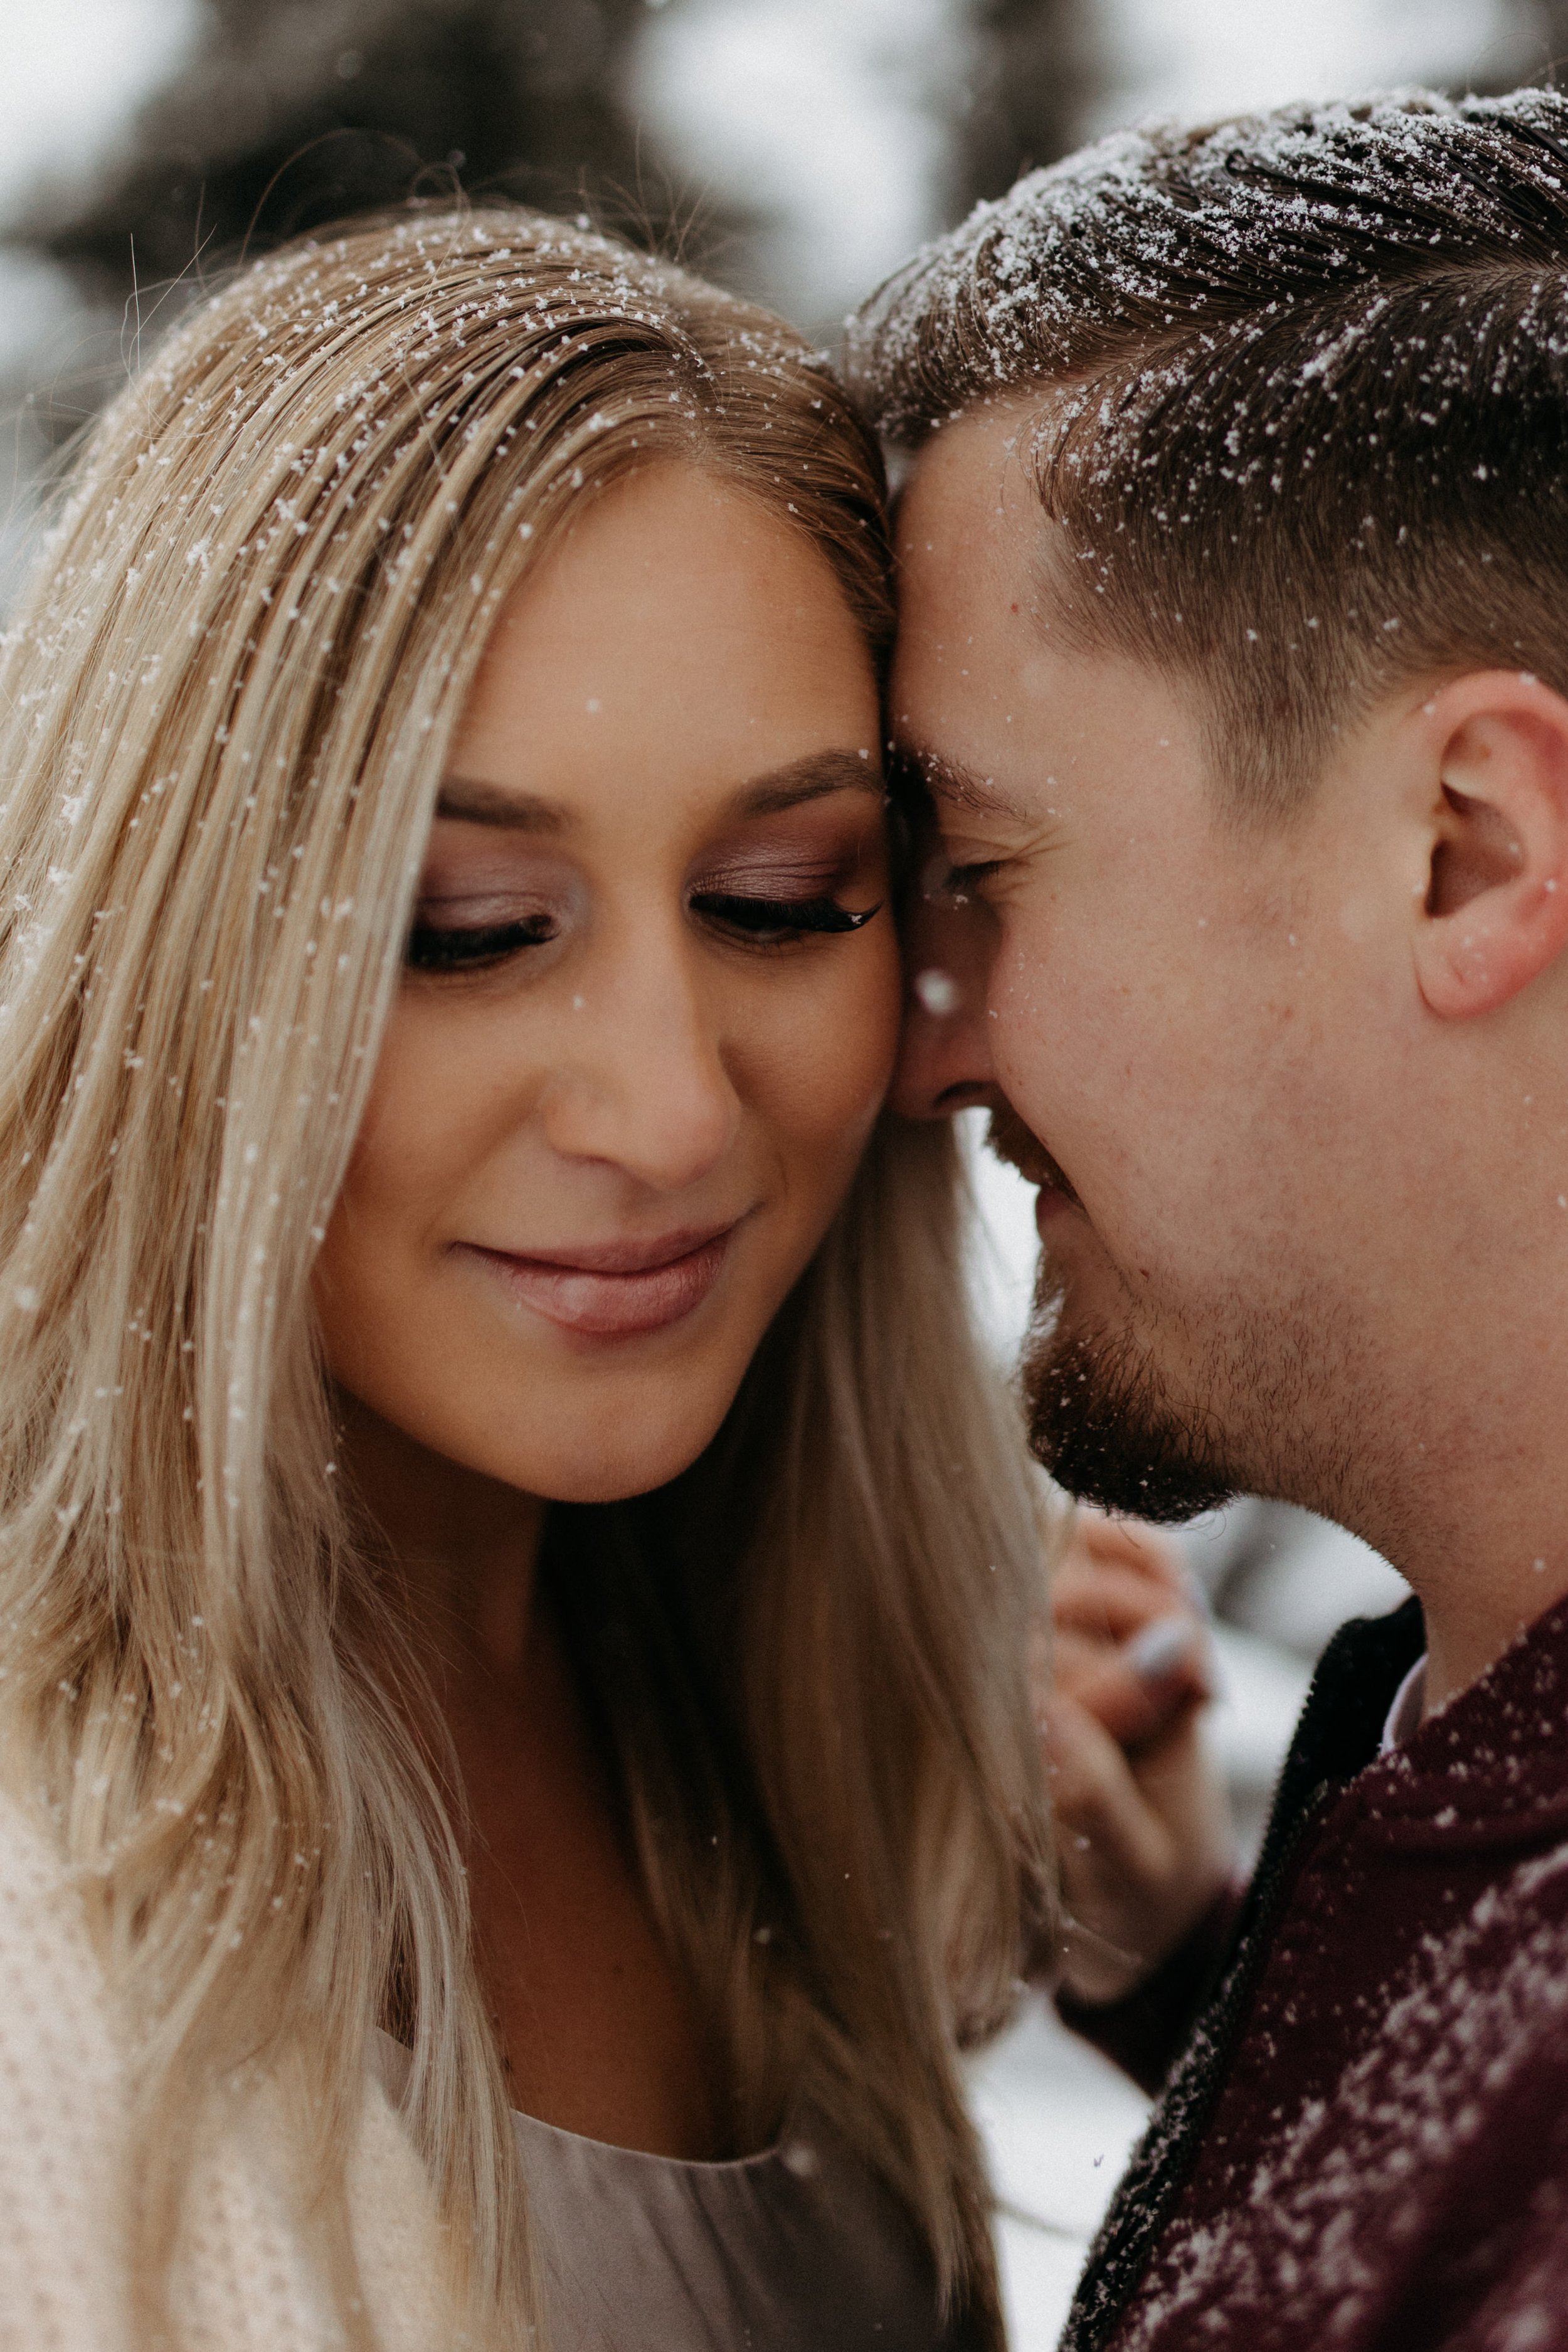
(610, 1455)
(615, 1475)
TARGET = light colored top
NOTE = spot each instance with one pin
(245, 2277)
(797, 2249)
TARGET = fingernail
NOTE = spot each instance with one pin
(1160, 1646)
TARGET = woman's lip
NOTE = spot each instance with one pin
(614, 1289)
(630, 1256)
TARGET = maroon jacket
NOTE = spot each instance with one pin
(1365, 2145)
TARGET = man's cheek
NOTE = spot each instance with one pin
(1044, 1000)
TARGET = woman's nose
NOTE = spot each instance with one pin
(643, 1084)
(944, 1054)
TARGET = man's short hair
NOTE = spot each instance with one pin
(1311, 434)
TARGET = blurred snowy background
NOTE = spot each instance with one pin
(796, 149)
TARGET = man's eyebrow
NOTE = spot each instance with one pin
(950, 783)
(474, 801)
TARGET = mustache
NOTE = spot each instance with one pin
(1019, 1147)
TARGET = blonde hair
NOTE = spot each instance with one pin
(227, 705)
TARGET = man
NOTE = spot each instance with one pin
(1235, 658)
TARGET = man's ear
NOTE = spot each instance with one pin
(1496, 909)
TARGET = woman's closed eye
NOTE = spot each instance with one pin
(465, 930)
(459, 947)
(765, 921)
(790, 894)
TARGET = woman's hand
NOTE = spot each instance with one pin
(1146, 1839)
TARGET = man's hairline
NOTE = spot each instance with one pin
(1239, 811)
(1196, 683)
(962, 788)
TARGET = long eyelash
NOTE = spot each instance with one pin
(759, 916)
(432, 948)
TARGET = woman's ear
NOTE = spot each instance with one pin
(1496, 909)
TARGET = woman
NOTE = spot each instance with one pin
(515, 1576)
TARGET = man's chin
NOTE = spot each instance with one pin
(1101, 1424)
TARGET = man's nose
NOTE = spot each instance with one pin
(944, 1056)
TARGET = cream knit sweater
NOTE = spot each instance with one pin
(243, 2280)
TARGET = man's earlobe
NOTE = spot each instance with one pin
(1496, 909)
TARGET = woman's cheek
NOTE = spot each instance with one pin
(451, 1081)
(840, 1063)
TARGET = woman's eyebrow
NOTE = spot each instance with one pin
(472, 800)
(810, 779)
(475, 802)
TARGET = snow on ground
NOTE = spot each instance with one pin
(1058, 2122)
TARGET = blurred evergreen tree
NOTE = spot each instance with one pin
(296, 112)
(1549, 23)
(1034, 72)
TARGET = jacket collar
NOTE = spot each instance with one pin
(1491, 1767)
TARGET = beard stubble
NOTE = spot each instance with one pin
(1101, 1421)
